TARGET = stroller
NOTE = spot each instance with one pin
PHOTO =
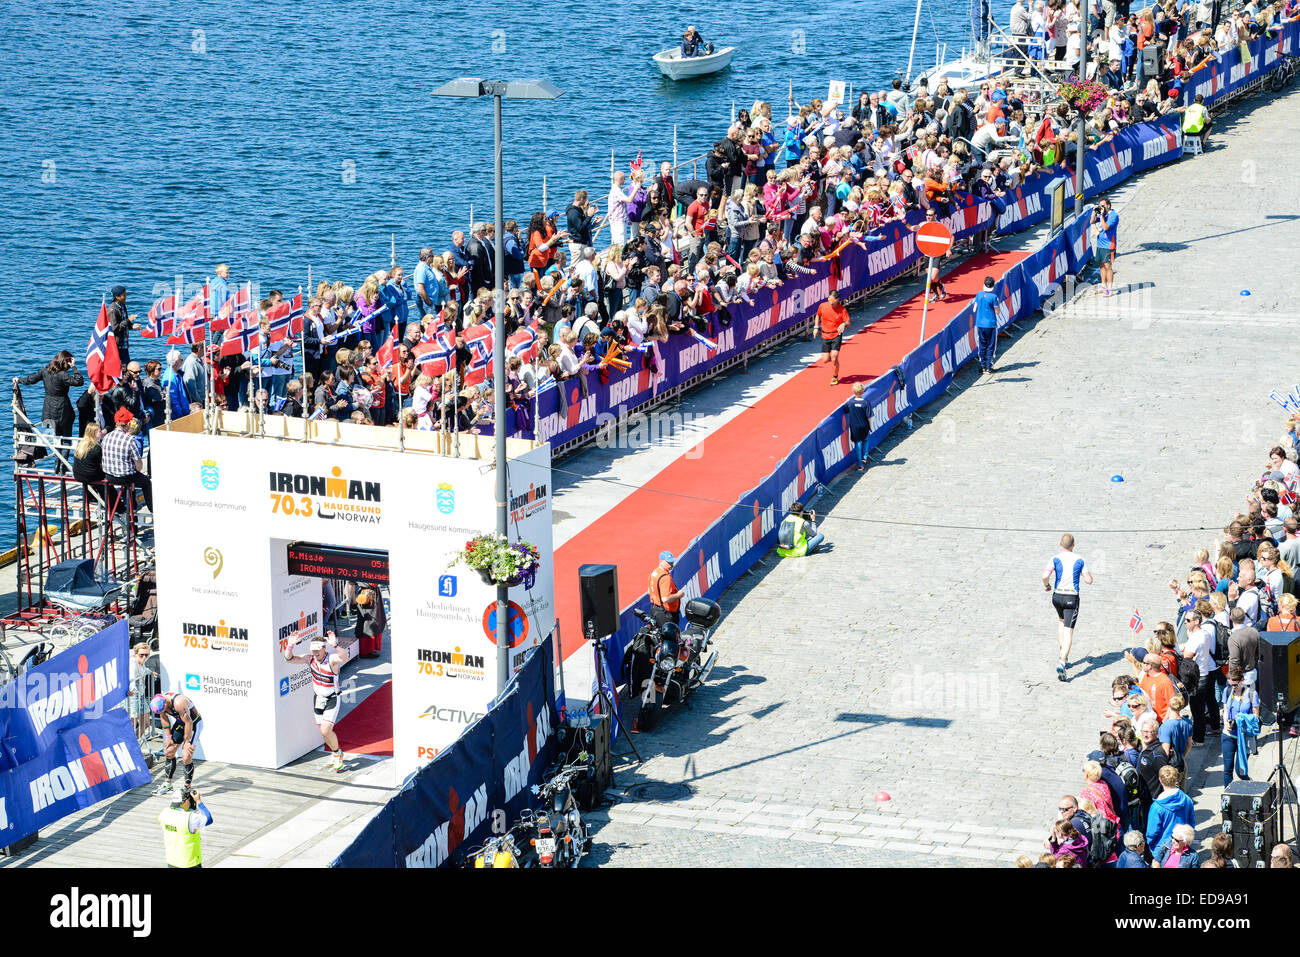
(75, 587)
(142, 612)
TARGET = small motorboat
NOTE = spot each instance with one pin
(676, 68)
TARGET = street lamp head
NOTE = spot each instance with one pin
(472, 87)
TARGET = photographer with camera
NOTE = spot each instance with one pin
(181, 824)
(798, 536)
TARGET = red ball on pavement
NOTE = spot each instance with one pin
(882, 796)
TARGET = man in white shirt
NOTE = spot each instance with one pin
(813, 223)
(1242, 594)
(585, 269)
(1063, 576)
(1200, 647)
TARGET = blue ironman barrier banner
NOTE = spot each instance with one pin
(732, 544)
(85, 680)
(482, 781)
(85, 763)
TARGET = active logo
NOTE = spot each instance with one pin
(516, 623)
(212, 558)
(446, 586)
(446, 498)
(209, 475)
(452, 715)
(440, 663)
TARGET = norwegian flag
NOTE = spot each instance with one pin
(1135, 623)
(387, 353)
(162, 315)
(187, 335)
(286, 318)
(436, 357)
(234, 310)
(478, 338)
(523, 344)
(102, 361)
(319, 415)
(240, 337)
(195, 311)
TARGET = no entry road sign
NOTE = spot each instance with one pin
(934, 239)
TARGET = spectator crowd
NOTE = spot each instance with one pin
(1192, 683)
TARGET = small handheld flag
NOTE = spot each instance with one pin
(102, 361)
(705, 341)
(1135, 623)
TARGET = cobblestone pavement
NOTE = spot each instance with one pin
(917, 660)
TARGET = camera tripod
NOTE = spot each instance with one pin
(606, 694)
(1284, 779)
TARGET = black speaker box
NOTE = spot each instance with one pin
(1250, 817)
(598, 585)
(1279, 669)
(589, 791)
(1151, 61)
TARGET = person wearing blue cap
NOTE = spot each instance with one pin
(665, 596)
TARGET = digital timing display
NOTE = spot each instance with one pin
(330, 561)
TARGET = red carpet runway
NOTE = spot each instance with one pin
(368, 728)
(744, 451)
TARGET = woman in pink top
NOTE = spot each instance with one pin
(1097, 792)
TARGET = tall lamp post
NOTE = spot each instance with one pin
(473, 88)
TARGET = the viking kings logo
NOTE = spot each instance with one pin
(210, 475)
(446, 498)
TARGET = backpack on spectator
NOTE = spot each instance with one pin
(1127, 773)
(1103, 838)
(1267, 605)
(1182, 672)
(1220, 652)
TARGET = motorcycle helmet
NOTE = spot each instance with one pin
(669, 631)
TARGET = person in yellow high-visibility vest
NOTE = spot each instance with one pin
(798, 536)
(1196, 119)
(181, 824)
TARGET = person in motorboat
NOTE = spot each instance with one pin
(693, 44)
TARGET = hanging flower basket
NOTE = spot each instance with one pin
(1084, 96)
(499, 561)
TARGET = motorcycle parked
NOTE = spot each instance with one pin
(500, 851)
(664, 664)
(561, 836)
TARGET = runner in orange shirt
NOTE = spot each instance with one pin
(833, 317)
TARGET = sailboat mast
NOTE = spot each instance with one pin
(916, 25)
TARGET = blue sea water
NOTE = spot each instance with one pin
(141, 140)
